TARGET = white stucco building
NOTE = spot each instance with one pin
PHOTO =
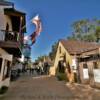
(11, 38)
(5, 65)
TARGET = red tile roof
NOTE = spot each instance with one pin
(77, 47)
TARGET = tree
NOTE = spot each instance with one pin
(81, 26)
(86, 30)
(97, 34)
(52, 54)
(89, 38)
(40, 58)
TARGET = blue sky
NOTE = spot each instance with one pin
(57, 17)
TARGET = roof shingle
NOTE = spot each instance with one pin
(77, 47)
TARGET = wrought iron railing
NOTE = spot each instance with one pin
(11, 35)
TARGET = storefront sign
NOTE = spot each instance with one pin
(85, 73)
(97, 75)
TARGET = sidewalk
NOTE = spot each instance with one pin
(83, 91)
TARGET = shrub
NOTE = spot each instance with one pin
(62, 77)
(3, 89)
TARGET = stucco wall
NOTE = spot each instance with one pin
(91, 79)
(8, 20)
(4, 55)
(58, 57)
(3, 21)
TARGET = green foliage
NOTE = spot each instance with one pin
(89, 38)
(62, 77)
(52, 54)
(97, 33)
(40, 58)
(80, 26)
(86, 30)
(3, 89)
(72, 37)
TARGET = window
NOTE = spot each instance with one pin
(95, 65)
(0, 64)
(85, 65)
(6, 71)
(61, 67)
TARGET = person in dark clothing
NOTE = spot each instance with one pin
(46, 68)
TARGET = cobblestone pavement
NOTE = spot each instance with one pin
(48, 88)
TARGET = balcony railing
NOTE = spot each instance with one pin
(12, 42)
(13, 36)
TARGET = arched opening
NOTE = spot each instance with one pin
(61, 67)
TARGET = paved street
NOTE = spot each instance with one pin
(48, 88)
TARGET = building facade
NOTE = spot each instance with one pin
(5, 65)
(89, 67)
(79, 60)
(11, 34)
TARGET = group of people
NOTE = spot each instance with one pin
(35, 69)
(16, 70)
(40, 68)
